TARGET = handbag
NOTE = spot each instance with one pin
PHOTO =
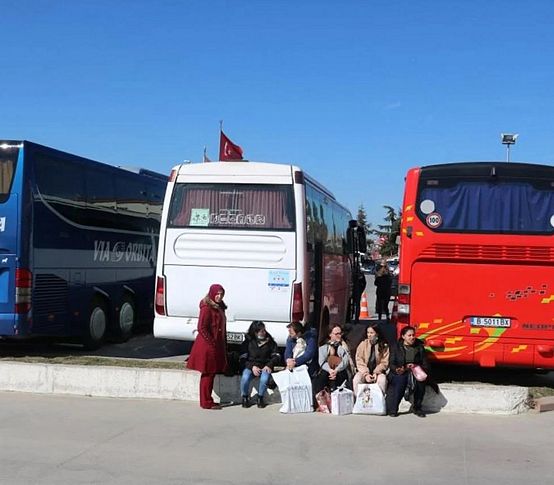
(419, 374)
(334, 361)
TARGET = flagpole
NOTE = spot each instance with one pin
(220, 138)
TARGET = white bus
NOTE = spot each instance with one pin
(272, 236)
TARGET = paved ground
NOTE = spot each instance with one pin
(74, 440)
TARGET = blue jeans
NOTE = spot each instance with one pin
(247, 377)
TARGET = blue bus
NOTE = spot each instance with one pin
(78, 243)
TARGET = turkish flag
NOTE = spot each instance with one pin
(227, 149)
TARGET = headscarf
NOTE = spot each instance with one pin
(214, 290)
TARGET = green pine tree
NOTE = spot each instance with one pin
(389, 231)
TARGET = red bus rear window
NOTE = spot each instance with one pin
(487, 206)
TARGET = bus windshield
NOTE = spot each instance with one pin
(485, 206)
(8, 160)
(233, 206)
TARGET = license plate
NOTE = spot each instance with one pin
(235, 337)
(489, 322)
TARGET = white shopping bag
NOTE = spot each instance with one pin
(369, 400)
(342, 401)
(296, 390)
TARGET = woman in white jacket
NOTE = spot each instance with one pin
(334, 361)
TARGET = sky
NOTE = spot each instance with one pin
(354, 92)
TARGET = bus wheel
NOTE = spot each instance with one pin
(95, 330)
(126, 322)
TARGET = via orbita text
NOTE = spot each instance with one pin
(107, 251)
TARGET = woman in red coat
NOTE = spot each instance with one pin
(208, 354)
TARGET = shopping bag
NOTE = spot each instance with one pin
(295, 388)
(342, 401)
(323, 400)
(369, 400)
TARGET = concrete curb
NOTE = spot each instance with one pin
(544, 404)
(141, 382)
(475, 398)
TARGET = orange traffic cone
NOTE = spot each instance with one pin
(364, 314)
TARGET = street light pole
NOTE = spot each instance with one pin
(508, 139)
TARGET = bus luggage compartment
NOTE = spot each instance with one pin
(487, 314)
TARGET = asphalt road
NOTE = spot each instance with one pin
(77, 440)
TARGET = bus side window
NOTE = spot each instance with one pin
(62, 187)
(132, 203)
(155, 202)
(101, 199)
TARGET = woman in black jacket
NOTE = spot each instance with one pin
(407, 353)
(260, 355)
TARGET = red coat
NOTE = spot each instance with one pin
(209, 353)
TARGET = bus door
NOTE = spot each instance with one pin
(317, 289)
(7, 294)
(9, 222)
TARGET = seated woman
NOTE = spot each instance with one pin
(301, 348)
(260, 355)
(372, 359)
(407, 353)
(335, 362)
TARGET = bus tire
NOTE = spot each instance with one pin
(126, 320)
(95, 330)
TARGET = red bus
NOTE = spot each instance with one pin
(477, 263)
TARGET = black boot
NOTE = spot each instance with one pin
(261, 403)
(245, 402)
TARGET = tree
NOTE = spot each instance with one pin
(362, 218)
(389, 231)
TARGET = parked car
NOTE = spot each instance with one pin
(368, 266)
